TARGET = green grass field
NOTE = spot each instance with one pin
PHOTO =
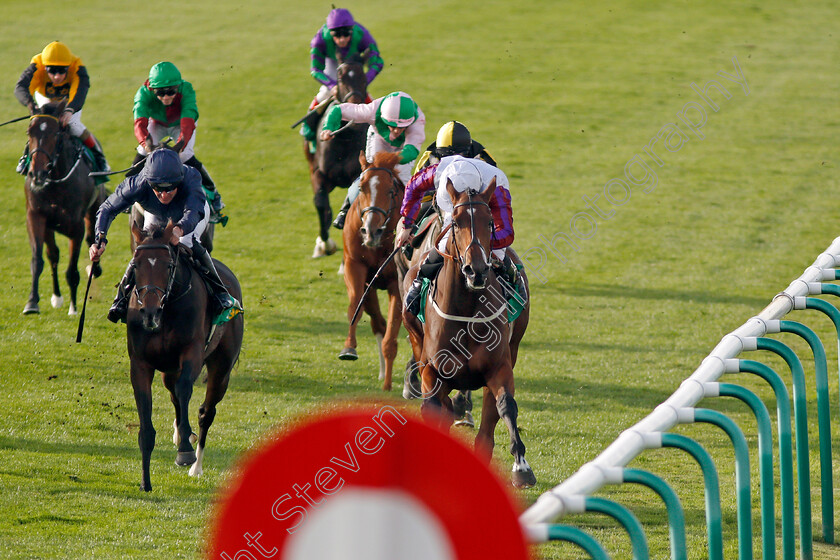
(564, 95)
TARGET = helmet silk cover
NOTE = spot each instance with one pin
(339, 17)
(398, 109)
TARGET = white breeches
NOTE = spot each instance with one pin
(158, 132)
(187, 240)
(75, 125)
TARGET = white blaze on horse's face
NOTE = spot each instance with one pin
(43, 126)
(152, 261)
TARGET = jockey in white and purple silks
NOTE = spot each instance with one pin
(339, 38)
(397, 125)
(465, 174)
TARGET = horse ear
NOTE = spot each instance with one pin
(136, 232)
(167, 232)
(61, 105)
(450, 188)
(491, 188)
(363, 160)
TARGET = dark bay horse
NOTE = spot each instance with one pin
(368, 240)
(335, 162)
(138, 217)
(60, 197)
(169, 329)
(466, 341)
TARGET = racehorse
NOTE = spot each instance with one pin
(368, 240)
(466, 341)
(334, 163)
(60, 197)
(169, 329)
(137, 216)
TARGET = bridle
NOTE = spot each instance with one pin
(56, 153)
(459, 255)
(392, 195)
(353, 92)
(142, 291)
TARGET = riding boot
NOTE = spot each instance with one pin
(95, 147)
(342, 213)
(508, 271)
(308, 134)
(22, 165)
(213, 195)
(428, 270)
(136, 165)
(119, 309)
(226, 306)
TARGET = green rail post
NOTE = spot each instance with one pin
(765, 462)
(714, 524)
(800, 422)
(742, 475)
(629, 521)
(823, 412)
(676, 515)
(557, 532)
(785, 449)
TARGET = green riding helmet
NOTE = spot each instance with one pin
(164, 74)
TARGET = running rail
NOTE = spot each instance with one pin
(569, 495)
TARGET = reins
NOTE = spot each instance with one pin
(392, 194)
(174, 257)
(56, 154)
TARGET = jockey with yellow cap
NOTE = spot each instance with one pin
(52, 75)
(397, 125)
(165, 106)
(452, 139)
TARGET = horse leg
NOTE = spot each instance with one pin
(36, 227)
(354, 279)
(321, 198)
(72, 274)
(462, 407)
(522, 475)
(379, 327)
(52, 256)
(388, 347)
(141, 381)
(218, 375)
(181, 387)
(437, 407)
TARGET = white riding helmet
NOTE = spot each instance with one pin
(464, 175)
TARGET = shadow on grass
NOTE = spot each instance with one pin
(633, 292)
(583, 396)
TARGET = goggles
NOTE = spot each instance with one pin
(164, 187)
(163, 92)
(341, 31)
(57, 70)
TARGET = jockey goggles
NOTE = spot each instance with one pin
(56, 70)
(164, 187)
(341, 31)
(163, 92)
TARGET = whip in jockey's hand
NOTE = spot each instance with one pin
(405, 237)
(96, 250)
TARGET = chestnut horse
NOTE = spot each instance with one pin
(60, 197)
(334, 163)
(368, 240)
(169, 329)
(466, 341)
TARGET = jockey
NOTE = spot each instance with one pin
(339, 38)
(465, 173)
(168, 190)
(165, 106)
(52, 75)
(453, 138)
(397, 125)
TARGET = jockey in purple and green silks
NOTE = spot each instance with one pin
(397, 125)
(339, 37)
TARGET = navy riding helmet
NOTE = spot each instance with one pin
(164, 170)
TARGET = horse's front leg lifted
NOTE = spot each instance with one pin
(522, 475)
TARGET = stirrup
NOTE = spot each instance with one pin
(219, 218)
(230, 309)
(21, 166)
(413, 305)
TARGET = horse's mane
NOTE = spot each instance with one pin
(387, 160)
(154, 231)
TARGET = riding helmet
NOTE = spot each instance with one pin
(464, 175)
(398, 109)
(164, 168)
(339, 17)
(453, 138)
(56, 54)
(164, 74)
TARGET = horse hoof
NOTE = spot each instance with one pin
(467, 420)
(331, 247)
(31, 308)
(56, 301)
(185, 458)
(340, 269)
(320, 248)
(72, 310)
(145, 487)
(196, 470)
(523, 479)
(348, 354)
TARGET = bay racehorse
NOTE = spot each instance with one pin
(466, 341)
(60, 197)
(169, 328)
(138, 217)
(368, 241)
(335, 162)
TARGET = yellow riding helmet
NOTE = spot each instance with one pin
(56, 54)
(453, 138)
